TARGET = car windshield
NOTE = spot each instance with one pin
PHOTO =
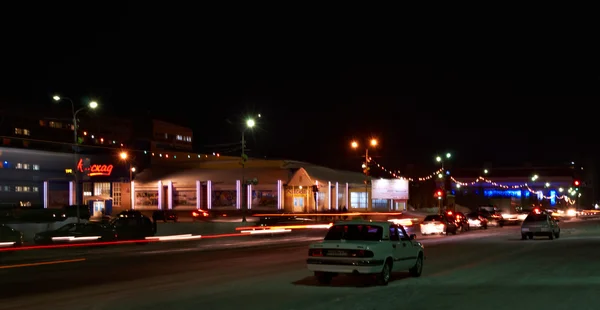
(431, 218)
(357, 232)
(536, 218)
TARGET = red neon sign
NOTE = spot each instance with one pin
(95, 170)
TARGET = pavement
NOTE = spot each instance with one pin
(489, 269)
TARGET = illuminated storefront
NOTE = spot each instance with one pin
(32, 178)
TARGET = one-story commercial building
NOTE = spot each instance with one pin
(220, 183)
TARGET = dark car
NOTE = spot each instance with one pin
(461, 220)
(283, 220)
(201, 215)
(76, 232)
(10, 237)
(165, 216)
(133, 226)
(439, 224)
(476, 220)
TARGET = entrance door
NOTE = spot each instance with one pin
(98, 208)
(298, 204)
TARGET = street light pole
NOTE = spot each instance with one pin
(250, 123)
(243, 184)
(92, 105)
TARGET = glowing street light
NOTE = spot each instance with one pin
(123, 155)
(561, 190)
(438, 159)
(250, 123)
(534, 177)
(354, 144)
(485, 171)
(448, 155)
(91, 105)
(373, 142)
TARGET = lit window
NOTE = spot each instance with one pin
(36, 189)
(188, 139)
(26, 132)
(36, 167)
(18, 188)
(358, 200)
(26, 189)
(19, 166)
(26, 166)
(42, 123)
(179, 137)
(18, 131)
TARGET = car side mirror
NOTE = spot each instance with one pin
(413, 237)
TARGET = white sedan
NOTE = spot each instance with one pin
(365, 248)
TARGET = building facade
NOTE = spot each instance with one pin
(33, 178)
(196, 181)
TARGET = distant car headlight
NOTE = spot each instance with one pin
(571, 212)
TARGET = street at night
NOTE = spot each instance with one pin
(471, 270)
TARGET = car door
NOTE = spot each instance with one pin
(409, 250)
(396, 247)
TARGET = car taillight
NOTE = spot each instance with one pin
(194, 214)
(361, 253)
(315, 252)
(205, 214)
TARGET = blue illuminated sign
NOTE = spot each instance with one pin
(552, 197)
(505, 193)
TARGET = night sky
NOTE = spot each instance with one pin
(316, 85)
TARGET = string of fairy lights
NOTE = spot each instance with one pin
(476, 182)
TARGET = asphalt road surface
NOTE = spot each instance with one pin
(490, 269)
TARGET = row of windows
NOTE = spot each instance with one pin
(59, 125)
(359, 201)
(22, 131)
(184, 138)
(19, 188)
(20, 166)
(27, 166)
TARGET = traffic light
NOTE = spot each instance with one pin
(439, 193)
(576, 183)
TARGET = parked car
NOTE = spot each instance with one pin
(10, 237)
(165, 216)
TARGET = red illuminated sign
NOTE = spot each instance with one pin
(95, 170)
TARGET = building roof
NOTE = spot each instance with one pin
(326, 174)
(268, 173)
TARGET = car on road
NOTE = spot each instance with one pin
(201, 215)
(165, 216)
(76, 232)
(461, 220)
(438, 224)
(540, 224)
(477, 221)
(365, 248)
(10, 237)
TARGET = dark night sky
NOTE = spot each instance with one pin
(317, 87)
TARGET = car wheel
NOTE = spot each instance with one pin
(523, 237)
(530, 236)
(557, 235)
(551, 236)
(417, 269)
(324, 277)
(383, 278)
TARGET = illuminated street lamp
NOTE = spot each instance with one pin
(250, 123)
(91, 105)
(448, 155)
(534, 177)
(123, 155)
(485, 171)
(438, 159)
(560, 190)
